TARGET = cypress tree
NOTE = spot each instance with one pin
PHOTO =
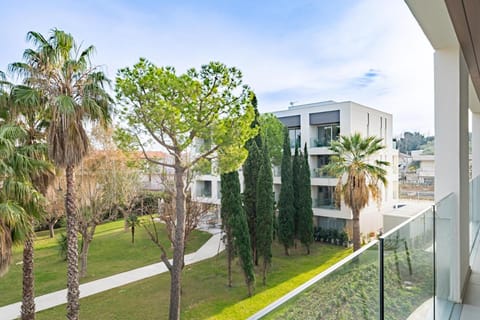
(227, 203)
(232, 206)
(286, 226)
(296, 181)
(264, 212)
(251, 169)
(305, 222)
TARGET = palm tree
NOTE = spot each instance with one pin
(60, 79)
(32, 145)
(354, 164)
(19, 200)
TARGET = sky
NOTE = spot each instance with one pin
(369, 51)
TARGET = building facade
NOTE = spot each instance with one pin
(317, 125)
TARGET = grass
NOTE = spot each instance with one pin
(111, 252)
(204, 293)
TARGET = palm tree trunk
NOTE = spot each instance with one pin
(73, 292)
(28, 296)
(356, 229)
(179, 244)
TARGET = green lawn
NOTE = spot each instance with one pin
(205, 295)
(110, 252)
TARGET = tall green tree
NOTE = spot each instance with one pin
(251, 168)
(305, 213)
(235, 220)
(227, 206)
(297, 164)
(265, 202)
(59, 76)
(286, 209)
(206, 111)
(354, 162)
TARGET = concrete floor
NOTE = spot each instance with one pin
(471, 302)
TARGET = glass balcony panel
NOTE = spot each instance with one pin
(444, 211)
(348, 290)
(320, 203)
(409, 269)
(474, 210)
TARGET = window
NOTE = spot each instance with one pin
(368, 124)
(204, 189)
(326, 134)
(295, 137)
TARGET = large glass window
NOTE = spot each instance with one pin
(326, 134)
(295, 137)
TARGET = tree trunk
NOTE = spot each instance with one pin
(28, 296)
(50, 229)
(179, 243)
(84, 255)
(264, 272)
(286, 250)
(356, 230)
(229, 258)
(73, 292)
(254, 249)
(133, 232)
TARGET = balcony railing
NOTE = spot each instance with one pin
(324, 204)
(320, 142)
(390, 278)
(474, 210)
(318, 173)
(405, 274)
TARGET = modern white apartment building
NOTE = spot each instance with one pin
(317, 125)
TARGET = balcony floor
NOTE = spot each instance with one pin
(471, 302)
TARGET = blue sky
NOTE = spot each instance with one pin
(368, 51)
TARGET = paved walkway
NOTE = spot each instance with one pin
(210, 249)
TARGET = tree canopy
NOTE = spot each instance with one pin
(210, 107)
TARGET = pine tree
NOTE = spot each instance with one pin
(286, 227)
(297, 164)
(305, 222)
(265, 201)
(251, 169)
(237, 220)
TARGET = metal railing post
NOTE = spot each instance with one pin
(381, 280)
(434, 261)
